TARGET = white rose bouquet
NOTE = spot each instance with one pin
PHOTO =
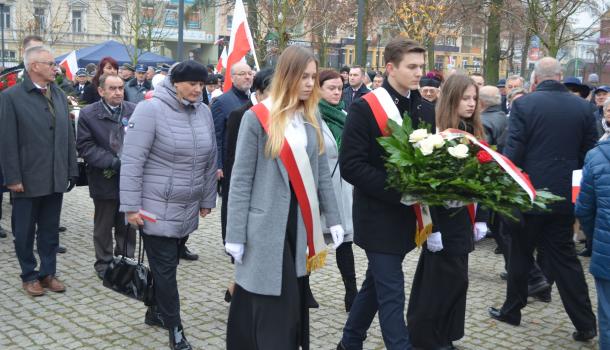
(434, 169)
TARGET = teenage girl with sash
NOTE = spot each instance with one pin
(437, 305)
(280, 184)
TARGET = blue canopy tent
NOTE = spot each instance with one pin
(116, 50)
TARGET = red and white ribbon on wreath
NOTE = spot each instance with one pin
(506, 164)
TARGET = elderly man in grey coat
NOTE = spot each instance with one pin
(493, 117)
(38, 160)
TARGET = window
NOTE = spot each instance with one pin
(451, 41)
(229, 23)
(77, 22)
(9, 55)
(40, 18)
(7, 16)
(116, 24)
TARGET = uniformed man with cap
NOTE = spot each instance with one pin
(80, 83)
(138, 86)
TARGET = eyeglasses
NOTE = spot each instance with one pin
(242, 74)
(48, 63)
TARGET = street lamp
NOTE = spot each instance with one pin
(2, 30)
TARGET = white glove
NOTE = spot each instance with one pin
(434, 242)
(337, 233)
(408, 200)
(480, 230)
(236, 250)
(453, 204)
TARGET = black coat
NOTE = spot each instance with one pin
(37, 148)
(78, 92)
(90, 95)
(96, 129)
(381, 223)
(347, 94)
(221, 107)
(549, 133)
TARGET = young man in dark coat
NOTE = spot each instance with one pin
(549, 133)
(100, 133)
(356, 87)
(383, 226)
(38, 161)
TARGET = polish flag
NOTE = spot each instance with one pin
(576, 179)
(70, 64)
(222, 60)
(240, 43)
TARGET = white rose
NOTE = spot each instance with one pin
(437, 140)
(426, 146)
(460, 151)
(418, 135)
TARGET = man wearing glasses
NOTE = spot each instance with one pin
(38, 159)
(242, 76)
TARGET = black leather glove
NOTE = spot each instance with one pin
(71, 183)
(116, 164)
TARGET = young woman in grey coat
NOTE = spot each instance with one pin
(266, 232)
(168, 170)
(333, 121)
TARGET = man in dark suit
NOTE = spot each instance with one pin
(100, 133)
(383, 226)
(550, 131)
(38, 161)
(242, 76)
(81, 83)
(356, 87)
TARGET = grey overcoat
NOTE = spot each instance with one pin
(259, 200)
(168, 165)
(37, 149)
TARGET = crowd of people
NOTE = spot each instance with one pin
(293, 153)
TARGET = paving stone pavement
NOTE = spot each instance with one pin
(89, 316)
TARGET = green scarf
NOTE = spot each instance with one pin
(334, 118)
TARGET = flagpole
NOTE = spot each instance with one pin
(180, 29)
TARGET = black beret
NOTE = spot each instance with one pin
(429, 82)
(188, 71)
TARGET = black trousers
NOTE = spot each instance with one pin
(37, 218)
(107, 217)
(553, 234)
(163, 256)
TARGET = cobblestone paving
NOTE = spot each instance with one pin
(89, 316)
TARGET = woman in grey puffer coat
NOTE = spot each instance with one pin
(169, 170)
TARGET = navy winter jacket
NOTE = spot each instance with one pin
(593, 207)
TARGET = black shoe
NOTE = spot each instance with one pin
(177, 340)
(498, 250)
(585, 253)
(100, 275)
(584, 335)
(497, 314)
(538, 287)
(340, 346)
(504, 276)
(153, 318)
(61, 249)
(62, 229)
(544, 296)
(2, 233)
(351, 290)
(188, 255)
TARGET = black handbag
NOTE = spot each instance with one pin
(131, 278)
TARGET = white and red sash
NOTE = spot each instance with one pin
(298, 167)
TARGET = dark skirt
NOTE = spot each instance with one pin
(260, 322)
(437, 305)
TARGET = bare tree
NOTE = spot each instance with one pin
(601, 56)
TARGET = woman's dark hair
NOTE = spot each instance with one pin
(327, 75)
(100, 69)
(262, 79)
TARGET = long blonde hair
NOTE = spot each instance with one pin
(284, 95)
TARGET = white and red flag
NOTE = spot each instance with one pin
(222, 60)
(240, 42)
(70, 64)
